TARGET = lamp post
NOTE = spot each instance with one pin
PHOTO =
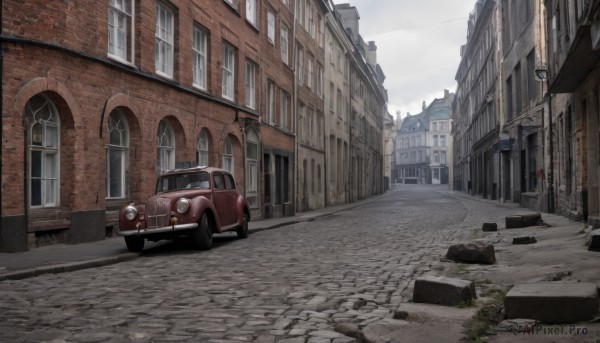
(542, 73)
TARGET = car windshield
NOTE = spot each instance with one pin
(174, 182)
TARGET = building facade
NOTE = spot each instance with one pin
(476, 157)
(573, 50)
(500, 109)
(422, 144)
(547, 110)
(115, 92)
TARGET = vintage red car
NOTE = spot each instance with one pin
(194, 202)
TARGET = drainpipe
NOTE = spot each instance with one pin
(551, 152)
(294, 112)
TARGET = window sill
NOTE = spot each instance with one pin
(120, 60)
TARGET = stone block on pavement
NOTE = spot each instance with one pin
(524, 240)
(474, 252)
(524, 220)
(532, 219)
(443, 291)
(514, 222)
(552, 302)
(489, 227)
(594, 240)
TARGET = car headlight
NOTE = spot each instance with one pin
(130, 212)
(183, 205)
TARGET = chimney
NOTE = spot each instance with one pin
(424, 105)
(446, 93)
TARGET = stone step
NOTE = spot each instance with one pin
(553, 303)
(524, 220)
(443, 291)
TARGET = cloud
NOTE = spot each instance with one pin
(418, 46)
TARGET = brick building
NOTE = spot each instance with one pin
(98, 98)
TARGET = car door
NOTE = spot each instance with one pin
(232, 201)
(221, 199)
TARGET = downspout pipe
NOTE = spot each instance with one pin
(295, 112)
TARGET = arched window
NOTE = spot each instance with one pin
(202, 149)
(165, 151)
(228, 156)
(252, 168)
(116, 155)
(43, 160)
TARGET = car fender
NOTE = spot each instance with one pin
(201, 204)
(241, 206)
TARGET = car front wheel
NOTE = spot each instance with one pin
(134, 243)
(203, 235)
(242, 230)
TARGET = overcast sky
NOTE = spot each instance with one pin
(418, 46)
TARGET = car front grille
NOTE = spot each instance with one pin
(157, 213)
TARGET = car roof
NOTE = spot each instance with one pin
(195, 169)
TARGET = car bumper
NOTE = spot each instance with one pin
(164, 229)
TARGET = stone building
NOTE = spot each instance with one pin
(500, 109)
(366, 109)
(115, 92)
(573, 49)
(523, 105)
(338, 54)
(439, 115)
(422, 143)
(548, 74)
(476, 157)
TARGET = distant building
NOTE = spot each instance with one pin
(421, 144)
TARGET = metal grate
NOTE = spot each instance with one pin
(157, 213)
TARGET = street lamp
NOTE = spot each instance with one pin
(542, 72)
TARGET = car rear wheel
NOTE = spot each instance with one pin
(134, 243)
(242, 230)
(203, 235)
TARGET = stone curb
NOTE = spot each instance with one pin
(67, 267)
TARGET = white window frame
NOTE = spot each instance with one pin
(271, 26)
(309, 76)
(203, 149)
(300, 65)
(199, 53)
(164, 36)
(46, 117)
(283, 108)
(121, 24)
(320, 74)
(252, 153)
(117, 123)
(165, 147)
(251, 13)
(308, 19)
(250, 95)
(284, 44)
(228, 155)
(228, 72)
(270, 104)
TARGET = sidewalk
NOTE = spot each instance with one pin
(62, 258)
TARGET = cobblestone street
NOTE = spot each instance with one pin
(290, 284)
